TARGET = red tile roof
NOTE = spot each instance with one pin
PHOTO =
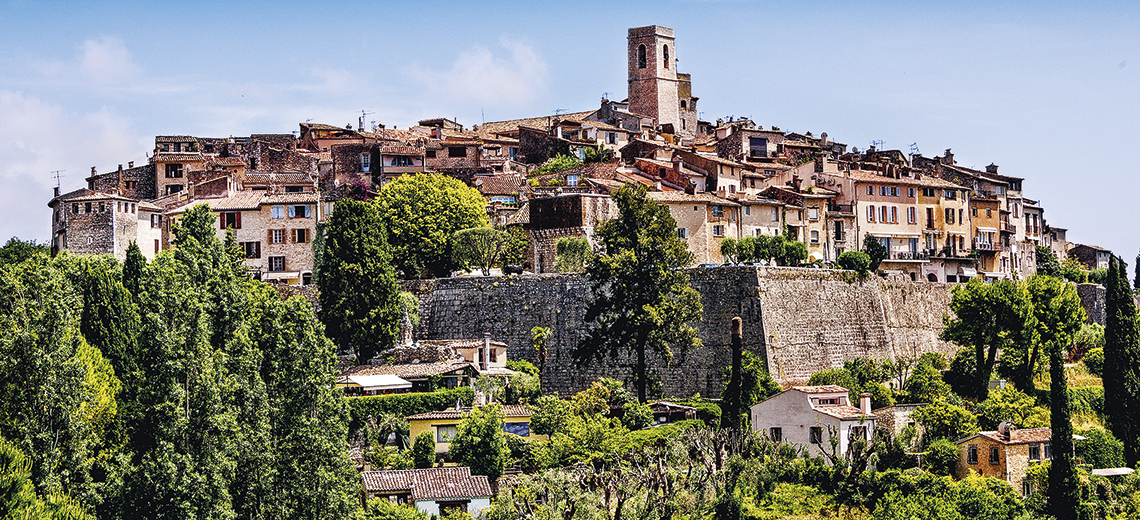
(499, 184)
(510, 410)
(820, 389)
(411, 370)
(429, 484)
(841, 411)
(175, 157)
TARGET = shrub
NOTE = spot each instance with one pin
(708, 412)
(1100, 449)
(522, 365)
(943, 420)
(404, 405)
(423, 450)
(1086, 399)
(941, 457)
(1094, 360)
(857, 261)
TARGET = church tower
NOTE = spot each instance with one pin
(653, 76)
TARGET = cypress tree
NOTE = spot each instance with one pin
(1121, 358)
(133, 268)
(731, 398)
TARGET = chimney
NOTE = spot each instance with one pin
(56, 191)
(865, 403)
(992, 168)
(130, 164)
(486, 351)
(558, 132)
(190, 190)
(120, 167)
(678, 165)
(92, 171)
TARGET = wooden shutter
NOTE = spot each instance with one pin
(237, 222)
(257, 249)
(222, 220)
(292, 212)
(269, 237)
(293, 236)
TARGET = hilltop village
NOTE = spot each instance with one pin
(813, 390)
(727, 179)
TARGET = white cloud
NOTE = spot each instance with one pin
(480, 75)
(107, 59)
(36, 138)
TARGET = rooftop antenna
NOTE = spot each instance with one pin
(57, 176)
(560, 110)
(606, 96)
(914, 149)
(309, 120)
(363, 113)
(877, 144)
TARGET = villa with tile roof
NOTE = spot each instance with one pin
(434, 491)
(809, 415)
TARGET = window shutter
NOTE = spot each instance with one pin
(293, 236)
(257, 249)
(221, 220)
(269, 236)
(238, 226)
(308, 211)
(292, 212)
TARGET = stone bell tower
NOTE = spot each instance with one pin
(653, 75)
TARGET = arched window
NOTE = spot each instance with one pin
(666, 56)
(641, 56)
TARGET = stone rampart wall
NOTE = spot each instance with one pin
(801, 320)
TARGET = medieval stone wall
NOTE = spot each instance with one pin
(801, 320)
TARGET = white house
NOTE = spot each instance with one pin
(434, 491)
(805, 415)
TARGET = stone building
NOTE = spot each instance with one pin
(655, 88)
(91, 222)
(1005, 454)
(563, 216)
(704, 220)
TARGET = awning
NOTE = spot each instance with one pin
(1113, 472)
(987, 229)
(281, 275)
(377, 382)
(967, 271)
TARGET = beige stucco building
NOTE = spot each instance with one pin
(1005, 455)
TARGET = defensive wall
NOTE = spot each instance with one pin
(800, 320)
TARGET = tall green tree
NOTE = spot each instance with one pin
(1122, 363)
(16, 250)
(480, 442)
(571, 254)
(876, 250)
(642, 302)
(133, 268)
(989, 318)
(18, 497)
(1047, 263)
(479, 247)
(359, 304)
(421, 213)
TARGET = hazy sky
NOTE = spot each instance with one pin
(1048, 91)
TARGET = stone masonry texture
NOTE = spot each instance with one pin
(800, 320)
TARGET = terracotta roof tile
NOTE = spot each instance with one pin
(820, 389)
(682, 197)
(291, 198)
(412, 370)
(498, 127)
(499, 184)
(429, 484)
(926, 180)
(278, 178)
(841, 411)
(178, 157)
(510, 410)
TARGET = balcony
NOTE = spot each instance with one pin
(982, 245)
(1008, 228)
(984, 195)
(841, 208)
(909, 255)
(947, 252)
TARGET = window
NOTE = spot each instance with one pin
(838, 232)
(951, 194)
(747, 211)
(775, 214)
(928, 192)
(949, 216)
(230, 219)
(894, 214)
(717, 211)
(571, 180)
(173, 171)
(870, 190)
(251, 249)
(814, 236)
(815, 435)
(870, 213)
(457, 151)
(75, 208)
(300, 235)
(102, 208)
(995, 455)
(90, 240)
(306, 278)
(276, 264)
(974, 211)
(294, 189)
(402, 160)
(444, 433)
(430, 154)
(682, 233)
(366, 163)
(132, 185)
(665, 49)
(276, 236)
(883, 191)
(177, 147)
(857, 433)
(813, 213)
(1035, 453)
(156, 246)
(173, 188)
(961, 220)
(1026, 488)
(883, 214)
(298, 211)
(910, 192)
(776, 434)
(718, 230)
(611, 137)
(972, 454)
(278, 211)
(1048, 452)
(999, 189)
(87, 207)
(911, 216)
(641, 56)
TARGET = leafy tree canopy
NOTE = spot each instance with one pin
(421, 213)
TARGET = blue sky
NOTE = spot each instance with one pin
(1048, 91)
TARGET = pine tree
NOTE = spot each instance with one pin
(359, 304)
(1122, 363)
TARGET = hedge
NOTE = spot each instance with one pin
(708, 412)
(404, 405)
(1086, 399)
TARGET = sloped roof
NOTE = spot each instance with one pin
(821, 389)
(682, 197)
(1016, 436)
(410, 370)
(179, 157)
(926, 180)
(840, 411)
(500, 184)
(429, 484)
(291, 198)
(278, 178)
(498, 127)
(510, 410)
